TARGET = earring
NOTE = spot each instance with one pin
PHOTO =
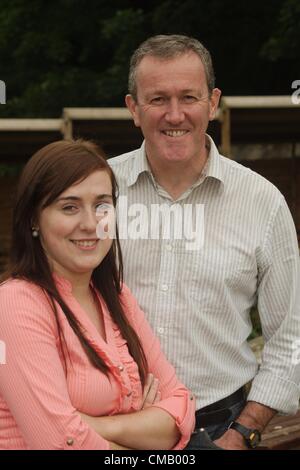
(35, 232)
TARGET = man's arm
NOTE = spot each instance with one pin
(276, 385)
(253, 416)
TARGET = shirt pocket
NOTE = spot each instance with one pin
(217, 273)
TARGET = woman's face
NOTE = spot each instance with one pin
(67, 227)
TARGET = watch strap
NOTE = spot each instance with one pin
(252, 436)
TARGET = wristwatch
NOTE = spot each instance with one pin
(252, 437)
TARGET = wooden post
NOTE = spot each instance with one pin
(67, 126)
(226, 133)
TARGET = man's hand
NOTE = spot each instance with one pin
(231, 440)
(254, 416)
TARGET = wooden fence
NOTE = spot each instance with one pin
(240, 120)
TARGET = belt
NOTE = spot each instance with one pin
(219, 411)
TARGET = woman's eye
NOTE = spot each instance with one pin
(69, 208)
(103, 207)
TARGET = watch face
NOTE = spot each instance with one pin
(254, 438)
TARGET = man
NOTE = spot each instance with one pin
(198, 295)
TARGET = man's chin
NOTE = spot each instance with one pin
(176, 157)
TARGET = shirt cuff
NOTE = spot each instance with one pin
(277, 393)
(182, 409)
(84, 438)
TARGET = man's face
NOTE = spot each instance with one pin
(173, 107)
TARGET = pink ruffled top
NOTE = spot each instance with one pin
(40, 394)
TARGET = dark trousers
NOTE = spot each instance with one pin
(203, 439)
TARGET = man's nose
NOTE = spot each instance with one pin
(175, 112)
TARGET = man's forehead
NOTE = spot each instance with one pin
(157, 72)
(150, 59)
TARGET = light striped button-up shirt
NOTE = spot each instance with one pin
(198, 293)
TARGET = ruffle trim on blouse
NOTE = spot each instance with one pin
(132, 386)
(116, 356)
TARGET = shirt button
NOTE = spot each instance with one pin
(191, 397)
(169, 247)
(160, 330)
(121, 368)
(164, 287)
(70, 441)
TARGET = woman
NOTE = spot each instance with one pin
(83, 368)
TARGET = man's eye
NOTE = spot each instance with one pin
(189, 99)
(158, 100)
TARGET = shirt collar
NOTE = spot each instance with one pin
(140, 165)
(64, 285)
(211, 169)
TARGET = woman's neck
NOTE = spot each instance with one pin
(80, 282)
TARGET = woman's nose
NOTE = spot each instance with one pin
(88, 221)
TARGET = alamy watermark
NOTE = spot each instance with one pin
(296, 352)
(296, 95)
(2, 353)
(154, 222)
(2, 92)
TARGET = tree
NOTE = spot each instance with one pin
(64, 53)
(284, 42)
(76, 53)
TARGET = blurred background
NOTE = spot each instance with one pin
(67, 53)
(65, 66)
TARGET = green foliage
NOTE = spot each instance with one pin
(10, 170)
(76, 53)
(285, 40)
(64, 53)
(256, 325)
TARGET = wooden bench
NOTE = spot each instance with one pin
(112, 128)
(21, 138)
(282, 433)
(259, 119)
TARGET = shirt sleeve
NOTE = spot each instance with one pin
(176, 399)
(32, 381)
(277, 381)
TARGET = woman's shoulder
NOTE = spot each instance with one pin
(126, 294)
(24, 303)
(18, 285)
(22, 292)
(130, 305)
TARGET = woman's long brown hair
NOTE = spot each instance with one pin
(47, 174)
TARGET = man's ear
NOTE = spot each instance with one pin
(132, 106)
(214, 102)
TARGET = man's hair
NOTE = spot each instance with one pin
(168, 46)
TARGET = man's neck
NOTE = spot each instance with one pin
(176, 178)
